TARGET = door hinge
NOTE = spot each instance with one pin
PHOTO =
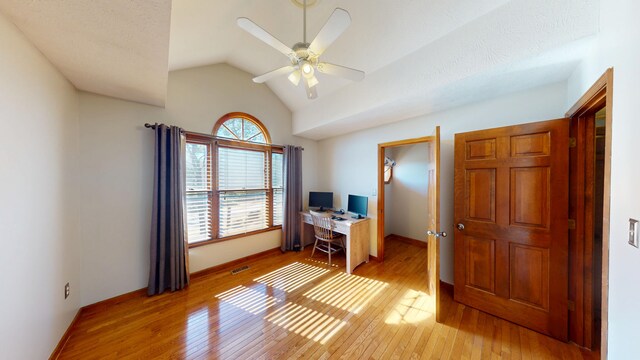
(571, 305)
(572, 224)
(572, 142)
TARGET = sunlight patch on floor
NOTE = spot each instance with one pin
(197, 327)
(248, 299)
(347, 292)
(306, 322)
(413, 308)
(291, 277)
(323, 263)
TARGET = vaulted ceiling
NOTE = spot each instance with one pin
(420, 56)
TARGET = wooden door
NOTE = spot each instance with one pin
(433, 221)
(511, 213)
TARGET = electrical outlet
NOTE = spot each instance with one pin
(633, 232)
(67, 290)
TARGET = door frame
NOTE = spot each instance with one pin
(601, 94)
(381, 195)
(381, 151)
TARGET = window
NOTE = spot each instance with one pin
(199, 191)
(277, 182)
(234, 182)
(241, 126)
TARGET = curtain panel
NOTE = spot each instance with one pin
(292, 198)
(168, 248)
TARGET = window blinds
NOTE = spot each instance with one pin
(199, 192)
(245, 193)
(242, 187)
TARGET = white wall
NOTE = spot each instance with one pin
(38, 210)
(349, 162)
(406, 194)
(618, 46)
(117, 172)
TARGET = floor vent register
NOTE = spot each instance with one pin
(239, 270)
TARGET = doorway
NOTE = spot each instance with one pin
(590, 191)
(432, 220)
(405, 194)
(586, 195)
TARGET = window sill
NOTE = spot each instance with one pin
(232, 237)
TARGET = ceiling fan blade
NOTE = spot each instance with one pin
(262, 34)
(342, 71)
(271, 74)
(337, 23)
(312, 93)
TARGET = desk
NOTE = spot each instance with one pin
(356, 231)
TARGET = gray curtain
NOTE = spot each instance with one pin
(168, 265)
(292, 198)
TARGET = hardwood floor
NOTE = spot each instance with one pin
(291, 306)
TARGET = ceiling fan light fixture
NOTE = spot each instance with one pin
(307, 69)
(294, 77)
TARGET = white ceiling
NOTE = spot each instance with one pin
(420, 56)
(117, 48)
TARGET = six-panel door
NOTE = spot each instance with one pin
(511, 198)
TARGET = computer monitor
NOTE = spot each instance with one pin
(322, 200)
(358, 205)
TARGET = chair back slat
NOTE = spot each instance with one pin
(322, 225)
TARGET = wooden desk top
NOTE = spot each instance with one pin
(348, 220)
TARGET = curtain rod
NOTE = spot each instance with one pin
(153, 126)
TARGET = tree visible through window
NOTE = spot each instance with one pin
(234, 181)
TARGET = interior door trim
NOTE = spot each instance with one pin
(381, 149)
(599, 94)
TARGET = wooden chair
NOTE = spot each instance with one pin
(325, 237)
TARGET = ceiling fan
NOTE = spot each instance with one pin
(305, 56)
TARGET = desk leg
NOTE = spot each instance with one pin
(307, 237)
(348, 254)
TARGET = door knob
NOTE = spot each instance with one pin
(460, 226)
(437, 234)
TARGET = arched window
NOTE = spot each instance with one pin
(243, 127)
(234, 181)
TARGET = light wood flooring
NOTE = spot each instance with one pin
(291, 306)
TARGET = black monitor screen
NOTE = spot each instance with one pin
(358, 205)
(322, 200)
